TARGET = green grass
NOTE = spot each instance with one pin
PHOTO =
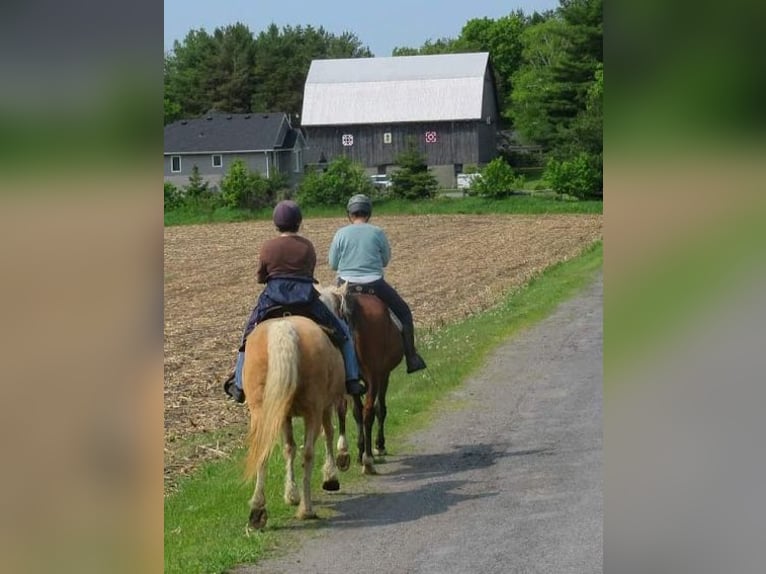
(205, 518)
(524, 204)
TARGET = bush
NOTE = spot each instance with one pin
(245, 189)
(579, 177)
(174, 198)
(497, 180)
(341, 180)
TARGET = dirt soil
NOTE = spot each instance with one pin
(446, 267)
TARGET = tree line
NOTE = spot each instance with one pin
(548, 71)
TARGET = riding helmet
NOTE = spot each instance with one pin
(287, 214)
(360, 204)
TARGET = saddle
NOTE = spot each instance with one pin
(279, 311)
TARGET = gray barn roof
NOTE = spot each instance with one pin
(221, 132)
(398, 89)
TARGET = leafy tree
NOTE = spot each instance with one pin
(283, 58)
(233, 75)
(497, 180)
(501, 38)
(432, 47)
(552, 88)
(188, 72)
(335, 185)
(172, 110)
(533, 111)
(413, 180)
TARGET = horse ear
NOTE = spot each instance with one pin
(343, 289)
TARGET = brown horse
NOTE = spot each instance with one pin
(291, 370)
(379, 349)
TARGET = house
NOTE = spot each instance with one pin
(266, 143)
(369, 109)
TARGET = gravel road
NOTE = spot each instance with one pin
(509, 482)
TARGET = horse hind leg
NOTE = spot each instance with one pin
(368, 462)
(380, 440)
(330, 480)
(343, 457)
(292, 496)
(305, 508)
(359, 427)
(258, 514)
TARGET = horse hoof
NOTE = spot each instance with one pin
(379, 451)
(331, 485)
(369, 469)
(306, 515)
(258, 517)
(343, 460)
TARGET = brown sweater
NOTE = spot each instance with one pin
(288, 255)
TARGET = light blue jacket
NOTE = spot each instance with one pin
(359, 250)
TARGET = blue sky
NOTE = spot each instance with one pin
(380, 25)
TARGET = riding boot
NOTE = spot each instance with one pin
(414, 361)
(355, 387)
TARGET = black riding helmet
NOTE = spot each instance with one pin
(287, 215)
(359, 204)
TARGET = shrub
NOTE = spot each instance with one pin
(174, 198)
(497, 180)
(578, 177)
(341, 180)
(245, 189)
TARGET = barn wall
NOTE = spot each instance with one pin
(487, 129)
(456, 142)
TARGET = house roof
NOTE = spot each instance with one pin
(442, 87)
(220, 132)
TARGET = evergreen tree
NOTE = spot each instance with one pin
(413, 180)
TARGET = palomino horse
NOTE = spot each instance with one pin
(291, 370)
(379, 349)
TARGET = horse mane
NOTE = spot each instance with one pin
(339, 301)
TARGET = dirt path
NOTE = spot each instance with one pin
(512, 482)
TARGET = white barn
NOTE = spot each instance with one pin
(370, 108)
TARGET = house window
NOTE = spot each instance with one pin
(175, 164)
(387, 137)
(217, 160)
(298, 155)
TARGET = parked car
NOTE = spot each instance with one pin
(465, 180)
(381, 181)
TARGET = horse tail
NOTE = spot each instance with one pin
(280, 387)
